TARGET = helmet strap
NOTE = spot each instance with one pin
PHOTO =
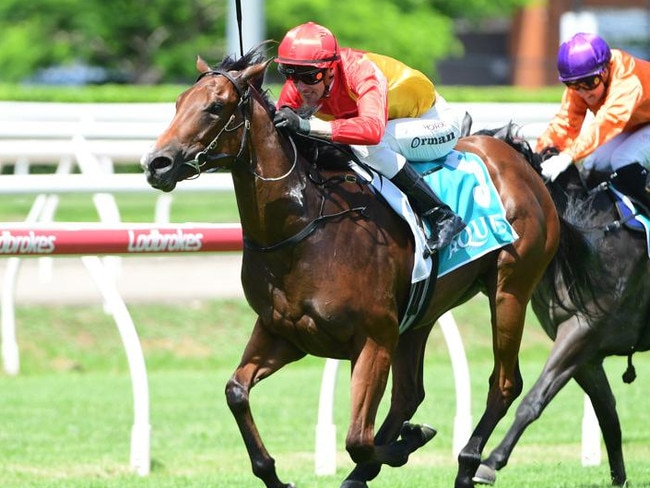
(329, 79)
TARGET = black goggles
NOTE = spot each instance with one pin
(588, 83)
(299, 73)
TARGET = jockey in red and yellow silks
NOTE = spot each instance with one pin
(614, 87)
(373, 103)
(368, 89)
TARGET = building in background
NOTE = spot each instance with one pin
(522, 51)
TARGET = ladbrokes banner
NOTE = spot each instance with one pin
(87, 239)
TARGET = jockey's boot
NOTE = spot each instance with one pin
(632, 180)
(444, 223)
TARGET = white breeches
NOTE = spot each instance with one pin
(430, 136)
(624, 149)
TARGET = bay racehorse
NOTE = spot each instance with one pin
(615, 321)
(326, 266)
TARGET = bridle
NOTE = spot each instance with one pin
(203, 157)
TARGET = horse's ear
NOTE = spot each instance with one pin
(201, 65)
(255, 72)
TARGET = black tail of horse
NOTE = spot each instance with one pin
(574, 278)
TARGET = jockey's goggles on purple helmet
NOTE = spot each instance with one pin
(588, 83)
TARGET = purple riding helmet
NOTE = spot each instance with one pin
(581, 56)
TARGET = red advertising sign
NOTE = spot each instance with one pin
(57, 239)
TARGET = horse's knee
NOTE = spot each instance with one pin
(360, 453)
(236, 396)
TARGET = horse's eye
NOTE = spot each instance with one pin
(215, 108)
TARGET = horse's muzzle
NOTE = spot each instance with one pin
(159, 171)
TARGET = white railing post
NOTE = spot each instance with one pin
(325, 452)
(460, 368)
(591, 455)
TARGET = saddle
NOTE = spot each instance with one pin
(633, 216)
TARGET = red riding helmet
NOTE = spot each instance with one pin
(581, 56)
(308, 44)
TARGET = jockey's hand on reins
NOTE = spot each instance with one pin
(286, 118)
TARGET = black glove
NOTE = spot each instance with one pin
(286, 118)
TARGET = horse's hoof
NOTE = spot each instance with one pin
(428, 433)
(424, 431)
(354, 484)
(485, 475)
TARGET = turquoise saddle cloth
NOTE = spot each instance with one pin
(462, 181)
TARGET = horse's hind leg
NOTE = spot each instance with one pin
(407, 395)
(508, 314)
(593, 380)
(264, 355)
(569, 351)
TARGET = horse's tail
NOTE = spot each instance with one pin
(574, 278)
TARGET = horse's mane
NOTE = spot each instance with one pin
(509, 133)
(256, 55)
(576, 263)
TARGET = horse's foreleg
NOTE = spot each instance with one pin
(264, 355)
(407, 395)
(369, 377)
(508, 314)
(593, 380)
(570, 349)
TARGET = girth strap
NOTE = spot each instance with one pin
(420, 296)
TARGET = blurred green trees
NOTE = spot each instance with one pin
(157, 41)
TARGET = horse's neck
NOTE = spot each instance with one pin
(270, 187)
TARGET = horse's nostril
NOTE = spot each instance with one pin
(160, 163)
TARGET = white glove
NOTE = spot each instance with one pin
(553, 166)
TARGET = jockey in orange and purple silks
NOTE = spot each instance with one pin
(615, 87)
(377, 105)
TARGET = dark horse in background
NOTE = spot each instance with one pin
(617, 324)
(326, 267)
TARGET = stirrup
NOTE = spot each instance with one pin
(443, 231)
